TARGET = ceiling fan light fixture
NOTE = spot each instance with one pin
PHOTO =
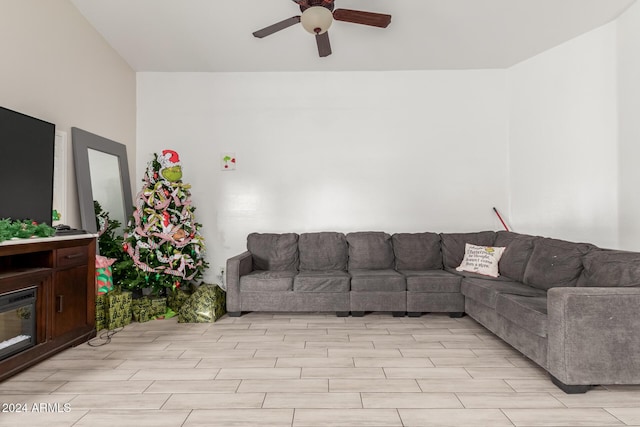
(316, 19)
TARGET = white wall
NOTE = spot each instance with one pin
(629, 126)
(563, 161)
(551, 142)
(56, 67)
(348, 151)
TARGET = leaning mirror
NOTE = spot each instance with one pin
(102, 174)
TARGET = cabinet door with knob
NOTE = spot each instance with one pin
(70, 290)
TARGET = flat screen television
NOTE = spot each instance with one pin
(27, 150)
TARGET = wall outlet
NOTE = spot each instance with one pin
(220, 272)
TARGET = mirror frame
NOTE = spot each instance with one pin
(82, 142)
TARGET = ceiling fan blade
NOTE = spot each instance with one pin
(267, 31)
(360, 17)
(324, 46)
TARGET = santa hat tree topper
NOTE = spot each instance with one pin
(163, 239)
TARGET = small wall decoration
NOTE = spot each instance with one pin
(228, 161)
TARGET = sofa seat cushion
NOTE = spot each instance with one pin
(487, 291)
(322, 281)
(529, 313)
(605, 268)
(417, 251)
(267, 281)
(323, 251)
(554, 263)
(431, 281)
(370, 250)
(377, 281)
(273, 251)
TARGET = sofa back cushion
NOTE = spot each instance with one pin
(555, 263)
(323, 251)
(453, 245)
(277, 252)
(518, 249)
(370, 250)
(417, 251)
(604, 268)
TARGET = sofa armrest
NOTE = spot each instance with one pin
(594, 335)
(239, 265)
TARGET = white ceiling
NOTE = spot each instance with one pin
(215, 35)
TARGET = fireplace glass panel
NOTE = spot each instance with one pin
(17, 321)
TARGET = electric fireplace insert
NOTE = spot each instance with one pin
(17, 321)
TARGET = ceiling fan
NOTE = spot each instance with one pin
(318, 15)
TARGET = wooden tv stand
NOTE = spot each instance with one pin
(63, 271)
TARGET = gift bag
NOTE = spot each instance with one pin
(104, 278)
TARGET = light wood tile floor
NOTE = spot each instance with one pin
(299, 370)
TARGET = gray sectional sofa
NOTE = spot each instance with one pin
(572, 308)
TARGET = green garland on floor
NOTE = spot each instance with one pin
(23, 229)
